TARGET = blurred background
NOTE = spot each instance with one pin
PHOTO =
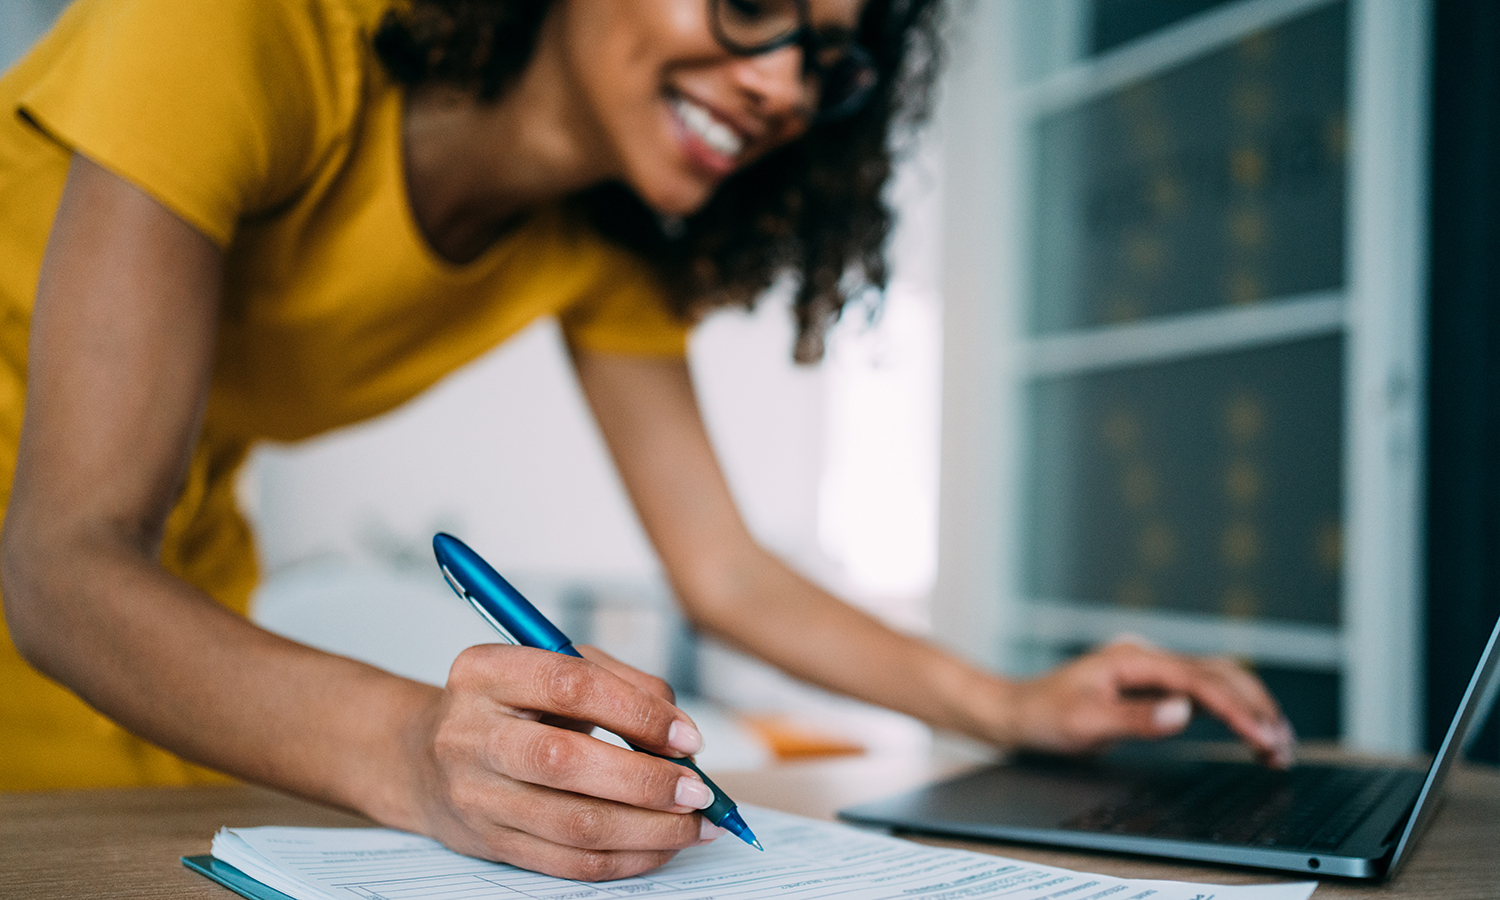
(1193, 334)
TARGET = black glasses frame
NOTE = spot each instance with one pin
(807, 38)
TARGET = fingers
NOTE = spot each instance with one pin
(566, 860)
(574, 837)
(508, 785)
(556, 758)
(643, 680)
(1154, 717)
(1131, 689)
(516, 683)
(1097, 711)
(584, 865)
(557, 685)
(1220, 686)
(588, 823)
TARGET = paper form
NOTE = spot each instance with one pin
(805, 859)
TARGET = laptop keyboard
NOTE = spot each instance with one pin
(1309, 807)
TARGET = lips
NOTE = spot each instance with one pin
(710, 141)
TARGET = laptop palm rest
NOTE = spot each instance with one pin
(1040, 794)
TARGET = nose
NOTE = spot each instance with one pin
(775, 81)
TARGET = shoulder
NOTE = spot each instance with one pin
(307, 56)
(220, 108)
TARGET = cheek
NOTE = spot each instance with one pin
(625, 54)
(643, 135)
(844, 13)
(626, 45)
(621, 75)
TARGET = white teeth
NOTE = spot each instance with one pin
(713, 132)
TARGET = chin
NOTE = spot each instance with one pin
(675, 197)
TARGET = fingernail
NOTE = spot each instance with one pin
(693, 793)
(708, 832)
(1173, 713)
(1288, 738)
(684, 738)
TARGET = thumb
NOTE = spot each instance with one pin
(1153, 718)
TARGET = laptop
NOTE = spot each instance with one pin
(1347, 820)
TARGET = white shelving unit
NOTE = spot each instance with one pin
(1016, 62)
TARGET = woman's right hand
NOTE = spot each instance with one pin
(512, 775)
(120, 367)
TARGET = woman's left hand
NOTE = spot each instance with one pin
(1131, 690)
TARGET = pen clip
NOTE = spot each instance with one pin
(463, 592)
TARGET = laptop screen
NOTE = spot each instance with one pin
(1479, 696)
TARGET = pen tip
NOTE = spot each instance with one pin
(756, 844)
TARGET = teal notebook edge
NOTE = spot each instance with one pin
(232, 878)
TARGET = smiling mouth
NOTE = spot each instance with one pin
(706, 127)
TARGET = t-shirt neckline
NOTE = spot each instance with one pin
(394, 148)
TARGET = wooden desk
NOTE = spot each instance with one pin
(126, 843)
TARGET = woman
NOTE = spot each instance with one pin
(269, 218)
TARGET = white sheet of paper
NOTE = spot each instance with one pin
(805, 859)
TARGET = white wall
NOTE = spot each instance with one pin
(502, 453)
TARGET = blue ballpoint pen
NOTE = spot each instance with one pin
(513, 616)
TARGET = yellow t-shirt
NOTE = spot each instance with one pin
(270, 126)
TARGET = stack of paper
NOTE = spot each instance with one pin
(805, 859)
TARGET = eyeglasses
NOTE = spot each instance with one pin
(839, 72)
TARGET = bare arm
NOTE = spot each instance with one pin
(121, 359)
(736, 591)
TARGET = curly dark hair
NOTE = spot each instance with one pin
(814, 208)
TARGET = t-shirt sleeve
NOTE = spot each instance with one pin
(625, 311)
(218, 110)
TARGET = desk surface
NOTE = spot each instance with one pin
(126, 843)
